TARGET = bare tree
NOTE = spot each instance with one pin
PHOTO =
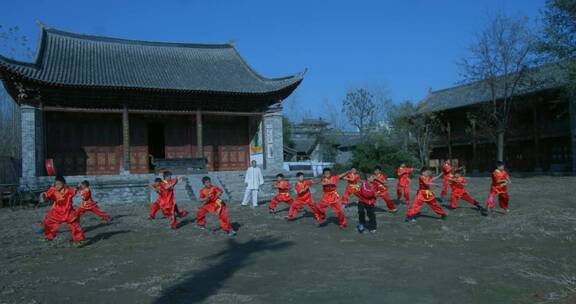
(360, 109)
(499, 60)
(415, 126)
(332, 112)
(15, 45)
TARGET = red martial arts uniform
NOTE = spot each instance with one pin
(425, 195)
(61, 212)
(215, 205)
(166, 201)
(352, 188)
(403, 186)
(459, 192)
(303, 198)
(158, 204)
(499, 188)
(447, 172)
(331, 198)
(88, 205)
(283, 195)
(380, 181)
(368, 193)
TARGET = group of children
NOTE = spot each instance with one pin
(375, 185)
(367, 191)
(62, 210)
(209, 197)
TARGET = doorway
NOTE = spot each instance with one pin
(156, 140)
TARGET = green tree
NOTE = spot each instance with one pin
(287, 132)
(367, 156)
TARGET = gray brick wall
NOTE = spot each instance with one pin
(106, 189)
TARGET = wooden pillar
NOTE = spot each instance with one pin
(474, 142)
(449, 131)
(536, 136)
(572, 113)
(263, 142)
(199, 136)
(125, 141)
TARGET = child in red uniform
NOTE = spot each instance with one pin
(331, 198)
(87, 204)
(500, 182)
(458, 184)
(352, 178)
(161, 204)
(166, 199)
(447, 174)
(425, 195)
(366, 200)
(303, 197)
(381, 182)
(156, 206)
(283, 195)
(61, 211)
(403, 186)
(210, 197)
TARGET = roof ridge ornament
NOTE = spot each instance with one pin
(42, 25)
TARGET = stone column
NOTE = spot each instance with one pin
(125, 142)
(32, 137)
(273, 141)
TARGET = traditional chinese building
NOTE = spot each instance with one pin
(108, 106)
(542, 129)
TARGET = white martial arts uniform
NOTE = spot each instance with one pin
(253, 180)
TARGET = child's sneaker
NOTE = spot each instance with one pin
(201, 227)
(443, 217)
(231, 233)
(393, 210)
(373, 231)
(360, 228)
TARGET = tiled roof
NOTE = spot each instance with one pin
(541, 78)
(78, 60)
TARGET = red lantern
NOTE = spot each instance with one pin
(50, 169)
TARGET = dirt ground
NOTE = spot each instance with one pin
(526, 256)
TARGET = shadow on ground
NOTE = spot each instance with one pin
(199, 285)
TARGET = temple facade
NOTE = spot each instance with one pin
(100, 106)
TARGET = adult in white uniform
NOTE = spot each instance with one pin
(253, 180)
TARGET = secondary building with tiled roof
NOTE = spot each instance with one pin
(542, 130)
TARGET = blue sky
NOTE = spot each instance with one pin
(406, 47)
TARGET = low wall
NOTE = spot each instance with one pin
(106, 189)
